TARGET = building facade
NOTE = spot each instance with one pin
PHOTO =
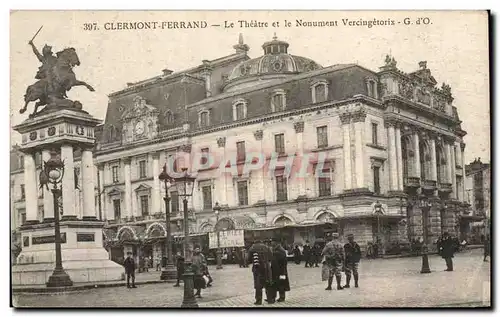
(477, 187)
(371, 138)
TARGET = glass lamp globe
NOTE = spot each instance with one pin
(54, 174)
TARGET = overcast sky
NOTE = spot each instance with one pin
(455, 47)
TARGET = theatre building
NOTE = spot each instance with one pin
(389, 144)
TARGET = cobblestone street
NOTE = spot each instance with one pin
(383, 283)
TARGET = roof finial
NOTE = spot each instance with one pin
(275, 37)
(241, 47)
(240, 39)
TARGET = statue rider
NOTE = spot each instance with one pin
(46, 58)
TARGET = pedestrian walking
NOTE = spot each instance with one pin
(129, 265)
(487, 247)
(280, 283)
(158, 263)
(352, 258)
(296, 254)
(307, 254)
(179, 260)
(447, 251)
(333, 254)
(198, 265)
(316, 254)
(259, 255)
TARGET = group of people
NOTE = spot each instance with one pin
(269, 267)
(310, 254)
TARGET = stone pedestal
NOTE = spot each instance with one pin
(61, 132)
(83, 255)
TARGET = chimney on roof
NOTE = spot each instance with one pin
(422, 65)
(130, 84)
(167, 71)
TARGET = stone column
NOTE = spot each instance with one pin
(345, 119)
(392, 158)
(128, 187)
(87, 168)
(399, 157)
(433, 159)
(155, 194)
(258, 175)
(416, 144)
(359, 127)
(30, 191)
(454, 194)
(101, 195)
(221, 143)
(48, 198)
(68, 183)
(299, 132)
(448, 163)
(462, 163)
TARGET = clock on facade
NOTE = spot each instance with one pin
(139, 127)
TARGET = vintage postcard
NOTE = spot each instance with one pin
(250, 159)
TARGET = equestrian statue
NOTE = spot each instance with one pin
(54, 78)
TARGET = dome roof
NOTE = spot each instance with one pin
(275, 61)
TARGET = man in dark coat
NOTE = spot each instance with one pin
(279, 273)
(259, 255)
(307, 251)
(447, 251)
(352, 258)
(487, 247)
(316, 251)
(129, 265)
(179, 260)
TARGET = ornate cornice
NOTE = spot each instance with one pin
(299, 127)
(345, 118)
(258, 135)
(185, 148)
(126, 160)
(221, 142)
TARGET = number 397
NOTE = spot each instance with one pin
(90, 26)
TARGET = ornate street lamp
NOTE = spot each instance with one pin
(425, 205)
(217, 210)
(52, 173)
(185, 186)
(378, 210)
(169, 272)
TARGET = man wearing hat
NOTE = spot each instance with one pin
(259, 255)
(447, 251)
(280, 282)
(352, 258)
(129, 265)
(334, 256)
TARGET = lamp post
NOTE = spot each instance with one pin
(185, 186)
(219, 251)
(169, 272)
(378, 209)
(425, 205)
(52, 173)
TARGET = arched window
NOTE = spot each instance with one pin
(225, 224)
(319, 91)
(441, 165)
(278, 100)
(325, 217)
(282, 221)
(372, 88)
(169, 117)
(204, 118)
(239, 110)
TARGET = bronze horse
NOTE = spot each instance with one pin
(51, 90)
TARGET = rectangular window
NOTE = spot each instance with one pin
(115, 174)
(204, 158)
(279, 102)
(240, 111)
(204, 119)
(281, 188)
(374, 133)
(142, 169)
(23, 193)
(320, 93)
(207, 197)
(117, 208)
(376, 179)
(240, 151)
(279, 143)
(174, 202)
(144, 205)
(242, 193)
(325, 184)
(322, 136)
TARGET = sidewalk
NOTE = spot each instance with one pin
(151, 277)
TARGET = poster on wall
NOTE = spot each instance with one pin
(227, 239)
